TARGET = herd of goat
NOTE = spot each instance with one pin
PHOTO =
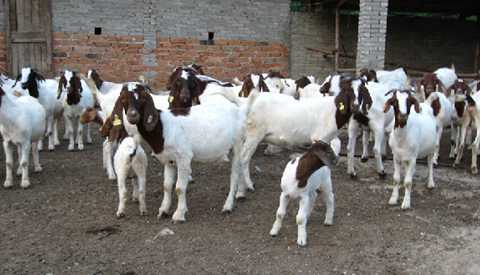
(203, 119)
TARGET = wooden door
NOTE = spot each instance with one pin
(29, 35)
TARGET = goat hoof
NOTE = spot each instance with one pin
(241, 198)
(435, 165)
(120, 215)
(382, 175)
(474, 170)
(353, 176)
(8, 184)
(143, 213)
(38, 169)
(25, 184)
(251, 188)
(162, 215)
(178, 221)
(227, 211)
(302, 244)
(364, 159)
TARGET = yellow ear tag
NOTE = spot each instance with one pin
(17, 94)
(117, 121)
(342, 107)
(170, 99)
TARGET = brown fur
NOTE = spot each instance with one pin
(191, 89)
(2, 93)
(75, 91)
(325, 88)
(459, 88)
(460, 108)
(431, 83)
(400, 121)
(31, 85)
(62, 84)
(436, 106)
(319, 155)
(148, 120)
(248, 86)
(370, 75)
(91, 115)
(197, 68)
(344, 102)
(96, 78)
(275, 74)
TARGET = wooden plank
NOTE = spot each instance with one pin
(20, 16)
(27, 15)
(25, 37)
(36, 24)
(47, 23)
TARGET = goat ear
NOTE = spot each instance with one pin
(199, 87)
(387, 106)
(415, 103)
(262, 86)
(151, 115)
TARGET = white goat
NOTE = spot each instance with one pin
(395, 79)
(281, 120)
(78, 98)
(131, 156)
(22, 123)
(413, 137)
(302, 178)
(374, 118)
(178, 137)
(45, 91)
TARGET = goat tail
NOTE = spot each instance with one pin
(452, 66)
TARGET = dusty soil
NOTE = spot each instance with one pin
(65, 224)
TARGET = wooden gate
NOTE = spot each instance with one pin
(29, 35)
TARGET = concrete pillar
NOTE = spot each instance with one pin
(372, 30)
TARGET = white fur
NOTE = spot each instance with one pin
(379, 123)
(416, 140)
(189, 138)
(22, 123)
(396, 79)
(47, 91)
(447, 76)
(319, 180)
(281, 120)
(73, 112)
(131, 156)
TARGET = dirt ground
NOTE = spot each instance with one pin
(65, 224)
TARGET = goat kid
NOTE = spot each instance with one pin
(302, 178)
(131, 156)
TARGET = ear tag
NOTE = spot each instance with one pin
(150, 119)
(17, 94)
(342, 107)
(117, 121)
(170, 99)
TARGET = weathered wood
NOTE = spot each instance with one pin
(337, 33)
(29, 35)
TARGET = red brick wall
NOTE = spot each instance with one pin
(117, 58)
(223, 60)
(3, 53)
(120, 58)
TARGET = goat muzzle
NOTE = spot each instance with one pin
(133, 116)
